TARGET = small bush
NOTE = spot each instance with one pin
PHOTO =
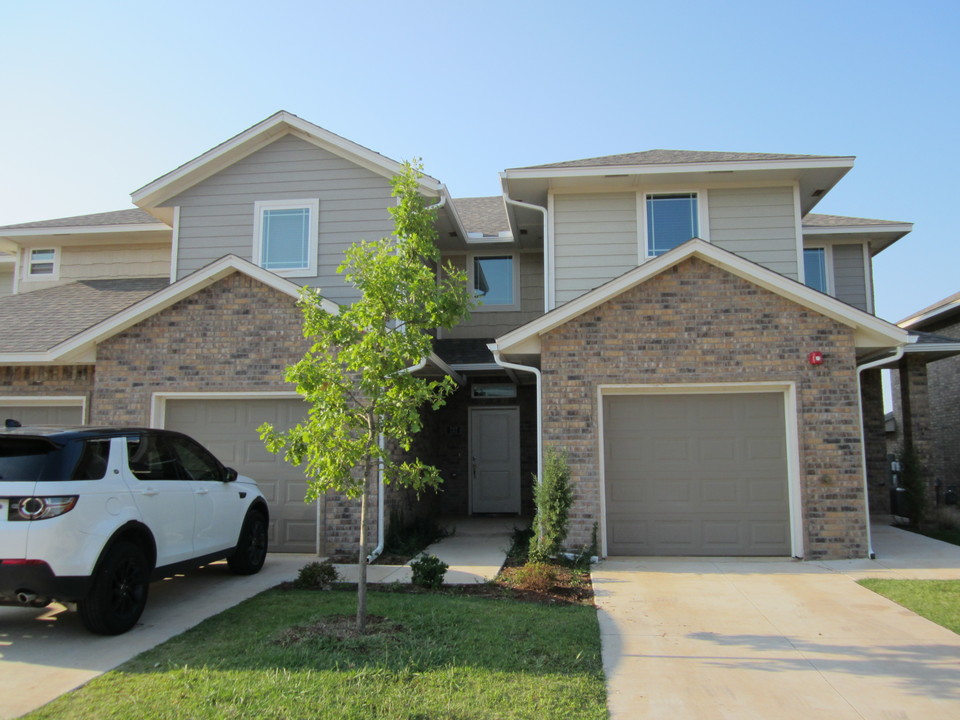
(553, 497)
(317, 576)
(428, 572)
(536, 576)
(520, 544)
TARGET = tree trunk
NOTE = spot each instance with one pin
(362, 559)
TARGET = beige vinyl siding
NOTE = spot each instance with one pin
(6, 279)
(595, 240)
(758, 224)
(850, 275)
(99, 262)
(216, 215)
(495, 323)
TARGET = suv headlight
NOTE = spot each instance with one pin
(40, 508)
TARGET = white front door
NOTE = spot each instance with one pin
(495, 460)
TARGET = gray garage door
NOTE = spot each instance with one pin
(42, 414)
(228, 428)
(696, 475)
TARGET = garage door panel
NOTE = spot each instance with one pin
(696, 474)
(228, 427)
(43, 414)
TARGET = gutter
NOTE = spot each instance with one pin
(863, 444)
(547, 245)
(536, 371)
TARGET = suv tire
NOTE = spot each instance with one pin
(252, 545)
(119, 590)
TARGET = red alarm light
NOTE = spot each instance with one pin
(815, 358)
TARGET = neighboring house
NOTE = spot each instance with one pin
(679, 323)
(933, 417)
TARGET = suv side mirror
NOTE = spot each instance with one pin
(229, 475)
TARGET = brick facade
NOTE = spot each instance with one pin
(878, 466)
(237, 335)
(695, 323)
(47, 380)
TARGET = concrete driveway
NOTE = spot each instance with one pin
(44, 653)
(756, 638)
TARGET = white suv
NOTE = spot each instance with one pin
(92, 515)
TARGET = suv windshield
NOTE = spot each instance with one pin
(38, 459)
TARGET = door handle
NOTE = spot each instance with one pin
(149, 492)
(201, 491)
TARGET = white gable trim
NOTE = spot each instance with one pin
(526, 339)
(82, 347)
(256, 137)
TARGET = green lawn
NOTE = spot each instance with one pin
(936, 600)
(448, 657)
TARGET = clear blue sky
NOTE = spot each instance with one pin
(100, 98)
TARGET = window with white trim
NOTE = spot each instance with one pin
(285, 236)
(815, 268)
(42, 264)
(493, 278)
(672, 219)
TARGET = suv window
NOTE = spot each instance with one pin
(150, 459)
(195, 462)
(39, 459)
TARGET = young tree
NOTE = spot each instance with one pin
(355, 374)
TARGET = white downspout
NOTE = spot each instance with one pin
(547, 248)
(381, 502)
(863, 440)
(527, 368)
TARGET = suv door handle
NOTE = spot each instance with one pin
(201, 491)
(149, 492)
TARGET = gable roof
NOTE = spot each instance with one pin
(674, 157)
(940, 310)
(80, 346)
(39, 320)
(132, 216)
(252, 139)
(814, 220)
(870, 331)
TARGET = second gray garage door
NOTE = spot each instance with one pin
(41, 414)
(696, 474)
(228, 428)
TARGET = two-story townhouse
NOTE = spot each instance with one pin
(679, 323)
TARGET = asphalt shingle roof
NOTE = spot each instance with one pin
(815, 220)
(39, 320)
(482, 214)
(669, 157)
(133, 216)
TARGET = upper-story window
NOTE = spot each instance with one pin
(815, 268)
(42, 264)
(493, 278)
(672, 219)
(285, 236)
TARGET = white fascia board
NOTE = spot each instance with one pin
(83, 344)
(901, 229)
(83, 230)
(933, 347)
(527, 338)
(256, 137)
(939, 310)
(671, 168)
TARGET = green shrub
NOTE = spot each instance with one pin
(552, 497)
(520, 544)
(428, 571)
(317, 576)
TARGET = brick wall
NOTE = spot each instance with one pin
(47, 380)
(695, 323)
(235, 335)
(878, 467)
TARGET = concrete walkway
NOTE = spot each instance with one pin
(766, 638)
(475, 553)
(47, 652)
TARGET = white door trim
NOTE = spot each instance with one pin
(479, 409)
(791, 428)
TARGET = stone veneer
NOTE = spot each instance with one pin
(696, 323)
